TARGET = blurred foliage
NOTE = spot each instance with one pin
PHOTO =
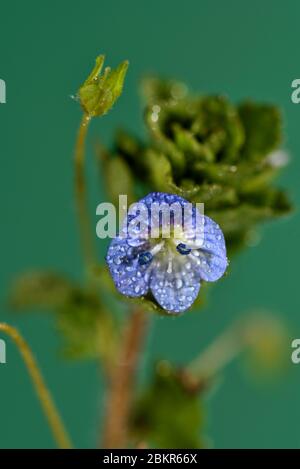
(268, 340)
(88, 328)
(211, 151)
(42, 290)
(169, 414)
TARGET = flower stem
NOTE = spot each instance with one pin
(55, 422)
(121, 387)
(219, 353)
(232, 342)
(86, 234)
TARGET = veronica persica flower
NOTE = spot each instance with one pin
(166, 247)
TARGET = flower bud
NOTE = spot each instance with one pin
(99, 92)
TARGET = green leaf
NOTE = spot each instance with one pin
(243, 176)
(118, 179)
(156, 90)
(157, 118)
(168, 414)
(210, 151)
(99, 92)
(37, 289)
(218, 125)
(190, 146)
(263, 132)
(237, 221)
(215, 196)
(159, 175)
(159, 170)
(87, 327)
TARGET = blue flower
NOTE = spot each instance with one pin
(166, 247)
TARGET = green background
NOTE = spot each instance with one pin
(242, 49)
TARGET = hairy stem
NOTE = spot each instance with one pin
(55, 422)
(85, 227)
(121, 388)
(86, 233)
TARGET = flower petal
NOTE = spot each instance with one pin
(136, 226)
(175, 291)
(163, 197)
(211, 258)
(130, 277)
